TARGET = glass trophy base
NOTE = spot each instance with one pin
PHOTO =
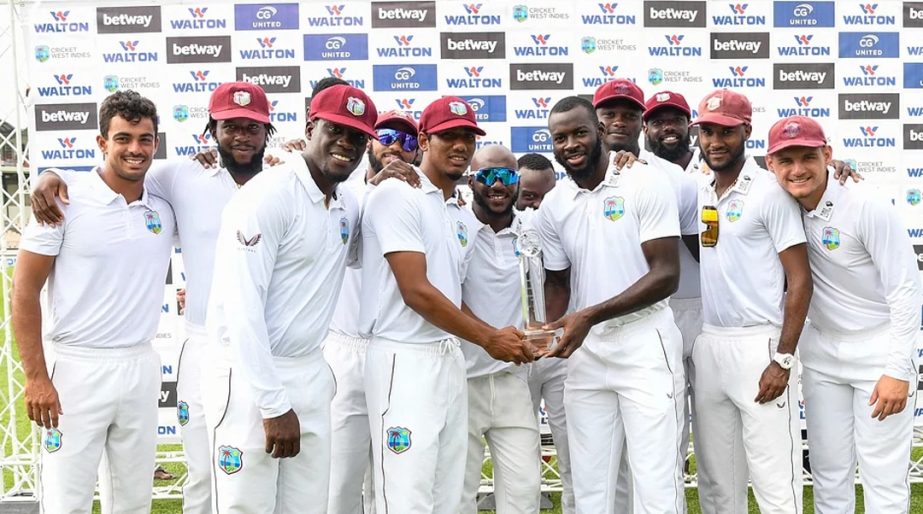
(541, 339)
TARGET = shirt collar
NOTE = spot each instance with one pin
(824, 209)
(105, 193)
(301, 170)
(744, 180)
(611, 179)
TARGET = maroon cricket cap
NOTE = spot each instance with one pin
(795, 131)
(446, 113)
(345, 105)
(724, 107)
(397, 120)
(239, 100)
(666, 99)
(619, 89)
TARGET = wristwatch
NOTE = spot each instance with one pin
(784, 360)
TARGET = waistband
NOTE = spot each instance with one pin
(626, 325)
(857, 335)
(358, 343)
(686, 304)
(443, 347)
(735, 332)
(286, 363)
(88, 353)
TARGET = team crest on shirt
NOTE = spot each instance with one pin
(344, 230)
(614, 207)
(52, 440)
(152, 221)
(735, 210)
(461, 230)
(399, 439)
(182, 413)
(230, 459)
(831, 238)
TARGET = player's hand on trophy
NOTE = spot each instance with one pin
(889, 397)
(207, 158)
(507, 344)
(624, 159)
(397, 169)
(541, 343)
(42, 403)
(843, 171)
(44, 207)
(283, 435)
(772, 383)
(295, 145)
(575, 326)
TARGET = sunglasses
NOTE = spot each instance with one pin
(709, 237)
(490, 175)
(387, 137)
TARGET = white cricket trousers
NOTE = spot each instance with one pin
(500, 410)
(190, 413)
(351, 490)
(627, 383)
(418, 417)
(109, 397)
(546, 380)
(687, 312)
(728, 365)
(840, 373)
(246, 478)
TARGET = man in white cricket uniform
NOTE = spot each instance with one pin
(610, 239)
(239, 123)
(105, 267)
(345, 348)
(279, 266)
(744, 383)
(412, 261)
(859, 351)
(499, 400)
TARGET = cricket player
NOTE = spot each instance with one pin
(499, 401)
(345, 348)
(858, 352)
(412, 261)
(105, 266)
(744, 359)
(279, 265)
(536, 178)
(239, 123)
(610, 241)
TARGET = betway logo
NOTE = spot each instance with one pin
(471, 44)
(738, 46)
(540, 76)
(401, 14)
(673, 14)
(64, 116)
(197, 49)
(867, 106)
(802, 76)
(127, 19)
(266, 79)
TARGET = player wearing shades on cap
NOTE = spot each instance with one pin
(280, 260)
(858, 353)
(413, 250)
(351, 490)
(610, 241)
(745, 373)
(96, 393)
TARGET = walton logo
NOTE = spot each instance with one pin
(68, 151)
(675, 48)
(335, 18)
(738, 78)
(267, 50)
(404, 49)
(67, 142)
(541, 48)
(199, 84)
(868, 16)
(198, 21)
(869, 139)
(474, 71)
(474, 79)
(804, 47)
(608, 16)
(60, 24)
(277, 116)
(130, 53)
(607, 73)
(473, 17)
(64, 87)
(539, 113)
(738, 16)
(803, 108)
(405, 103)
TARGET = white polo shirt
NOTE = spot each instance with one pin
(686, 189)
(279, 265)
(865, 271)
(111, 258)
(345, 320)
(492, 291)
(742, 277)
(399, 218)
(598, 234)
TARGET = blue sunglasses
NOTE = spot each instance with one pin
(387, 137)
(490, 175)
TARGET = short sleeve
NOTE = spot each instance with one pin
(392, 212)
(658, 215)
(44, 239)
(782, 218)
(554, 256)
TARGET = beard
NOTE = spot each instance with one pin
(587, 169)
(249, 168)
(482, 202)
(670, 153)
(374, 163)
(730, 163)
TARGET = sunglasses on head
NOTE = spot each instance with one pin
(488, 176)
(387, 137)
(709, 237)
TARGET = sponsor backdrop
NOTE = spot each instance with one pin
(855, 66)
